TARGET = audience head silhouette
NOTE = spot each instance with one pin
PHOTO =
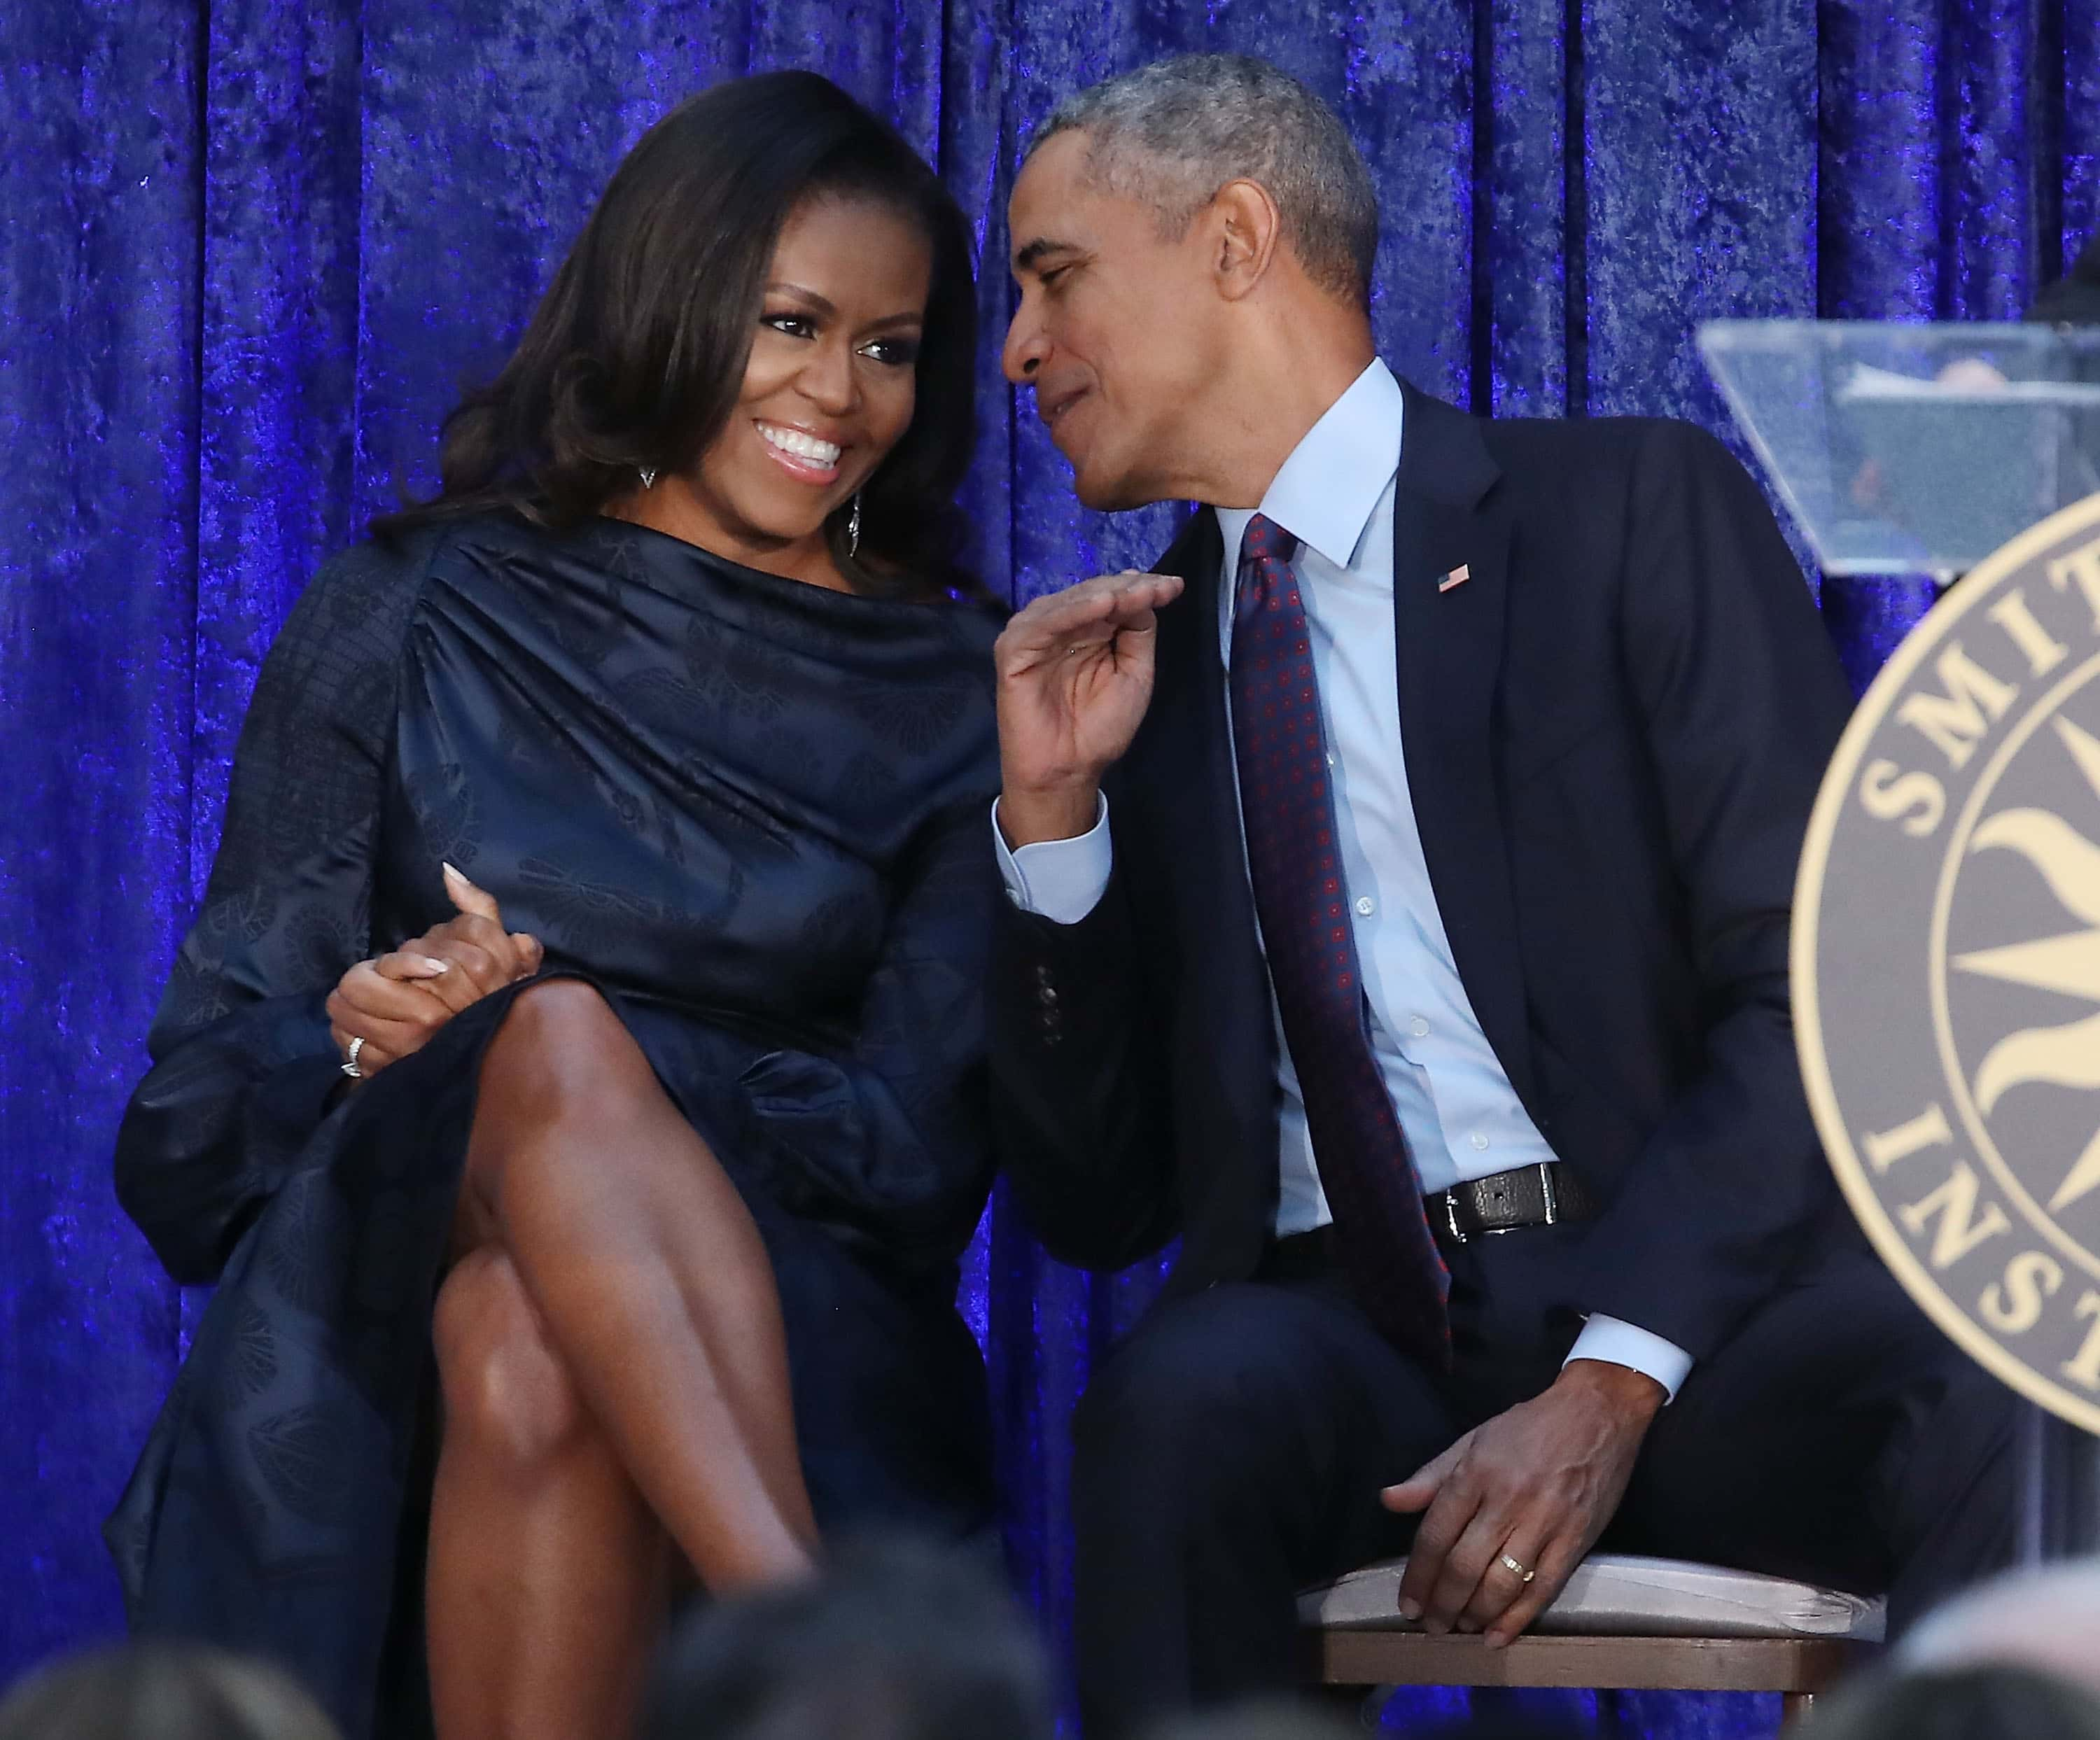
(897, 1641)
(1958, 1703)
(160, 1692)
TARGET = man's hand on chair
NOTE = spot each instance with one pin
(1536, 1485)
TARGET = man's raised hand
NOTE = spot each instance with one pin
(1074, 678)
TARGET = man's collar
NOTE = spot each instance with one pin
(1328, 488)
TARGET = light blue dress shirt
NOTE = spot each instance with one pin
(1462, 1118)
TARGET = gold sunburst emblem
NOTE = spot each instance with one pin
(2066, 965)
(1946, 963)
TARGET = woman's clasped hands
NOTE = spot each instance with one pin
(384, 1008)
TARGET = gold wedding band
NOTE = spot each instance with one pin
(1512, 1564)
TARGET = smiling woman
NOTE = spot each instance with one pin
(828, 389)
(572, 1081)
(769, 258)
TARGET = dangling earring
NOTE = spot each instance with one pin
(648, 477)
(853, 528)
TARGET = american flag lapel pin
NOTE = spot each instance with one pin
(1457, 577)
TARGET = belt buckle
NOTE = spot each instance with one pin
(1549, 1198)
(1549, 1201)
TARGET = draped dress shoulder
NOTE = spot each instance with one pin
(751, 812)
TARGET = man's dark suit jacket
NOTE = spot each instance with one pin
(1614, 729)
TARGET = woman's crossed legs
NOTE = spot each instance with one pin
(615, 1377)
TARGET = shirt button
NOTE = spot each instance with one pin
(1479, 1141)
(1419, 1027)
(1365, 905)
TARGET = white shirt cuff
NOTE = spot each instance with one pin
(1618, 1343)
(1062, 880)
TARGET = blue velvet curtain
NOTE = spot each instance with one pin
(248, 249)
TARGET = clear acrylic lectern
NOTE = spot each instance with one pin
(1915, 449)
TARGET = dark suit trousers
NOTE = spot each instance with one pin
(1231, 1452)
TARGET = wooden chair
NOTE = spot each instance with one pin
(1622, 1624)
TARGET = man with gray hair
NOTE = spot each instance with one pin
(1400, 882)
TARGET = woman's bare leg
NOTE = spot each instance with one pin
(547, 1575)
(650, 1277)
(615, 1379)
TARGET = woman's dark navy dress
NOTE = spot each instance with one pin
(753, 813)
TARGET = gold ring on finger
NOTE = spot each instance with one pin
(1512, 1565)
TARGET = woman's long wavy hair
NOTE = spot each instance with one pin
(636, 354)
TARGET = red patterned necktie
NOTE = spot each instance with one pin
(1287, 808)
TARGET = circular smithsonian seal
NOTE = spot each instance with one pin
(1946, 964)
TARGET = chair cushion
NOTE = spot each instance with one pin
(1622, 1595)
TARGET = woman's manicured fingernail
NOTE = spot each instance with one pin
(451, 872)
(1410, 1610)
(434, 966)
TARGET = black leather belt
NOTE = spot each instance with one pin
(1536, 1196)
